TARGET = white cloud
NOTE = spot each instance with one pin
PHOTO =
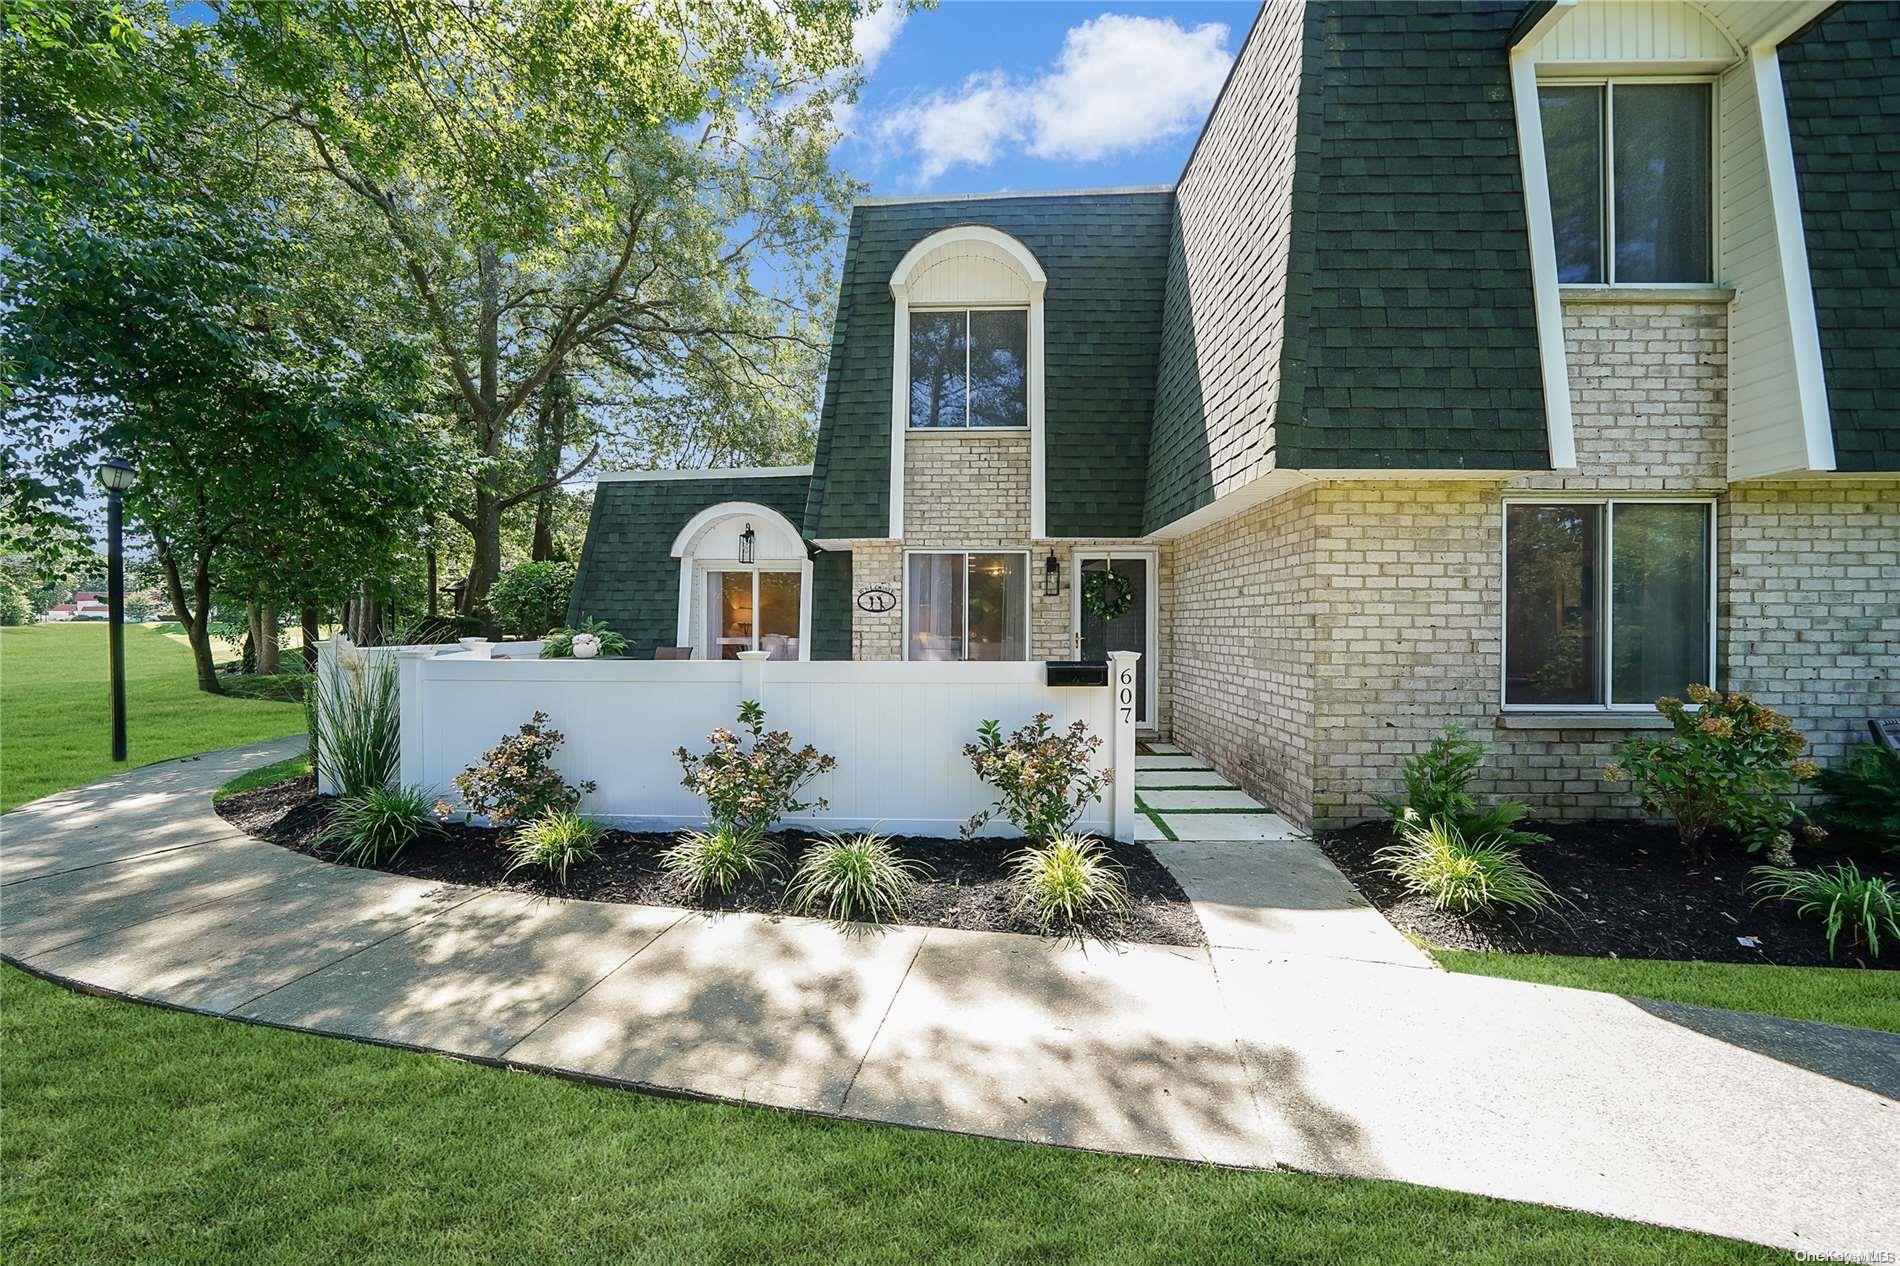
(1123, 83)
(873, 34)
(965, 128)
(1119, 85)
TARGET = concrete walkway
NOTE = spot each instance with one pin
(1181, 797)
(1308, 1034)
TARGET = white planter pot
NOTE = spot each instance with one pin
(586, 646)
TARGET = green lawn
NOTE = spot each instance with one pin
(1833, 995)
(55, 726)
(264, 776)
(135, 1134)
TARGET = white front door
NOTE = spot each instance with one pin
(1131, 595)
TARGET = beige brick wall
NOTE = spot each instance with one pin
(1321, 638)
(1810, 601)
(972, 492)
(1239, 648)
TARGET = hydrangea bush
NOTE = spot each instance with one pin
(1041, 775)
(1731, 765)
(516, 780)
(752, 781)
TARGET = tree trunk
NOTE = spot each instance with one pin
(485, 564)
(486, 529)
(543, 548)
(309, 638)
(269, 661)
(428, 553)
(253, 638)
(194, 614)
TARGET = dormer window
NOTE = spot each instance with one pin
(1630, 181)
(969, 367)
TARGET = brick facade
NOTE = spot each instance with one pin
(1325, 636)
(971, 491)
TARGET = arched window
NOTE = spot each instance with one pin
(745, 583)
(968, 348)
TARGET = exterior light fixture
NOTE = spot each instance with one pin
(747, 539)
(116, 474)
(1051, 576)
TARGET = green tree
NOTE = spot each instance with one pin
(575, 186)
(167, 300)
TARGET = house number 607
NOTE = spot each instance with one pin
(1128, 695)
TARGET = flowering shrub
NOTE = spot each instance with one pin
(1042, 776)
(752, 787)
(1734, 765)
(517, 781)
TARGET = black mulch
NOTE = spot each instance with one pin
(1634, 894)
(968, 888)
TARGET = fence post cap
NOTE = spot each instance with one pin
(1124, 657)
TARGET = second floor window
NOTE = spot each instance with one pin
(1629, 168)
(969, 367)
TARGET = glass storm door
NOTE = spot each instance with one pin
(1131, 630)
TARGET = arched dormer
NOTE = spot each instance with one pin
(964, 284)
(740, 591)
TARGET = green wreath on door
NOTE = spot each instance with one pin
(1106, 594)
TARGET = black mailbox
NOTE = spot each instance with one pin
(1076, 672)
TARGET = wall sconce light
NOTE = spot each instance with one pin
(1051, 576)
(746, 539)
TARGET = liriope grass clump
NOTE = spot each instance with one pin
(1436, 860)
(555, 841)
(712, 862)
(372, 826)
(858, 878)
(1068, 882)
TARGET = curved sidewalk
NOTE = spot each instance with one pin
(1301, 1037)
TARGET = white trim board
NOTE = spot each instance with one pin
(732, 472)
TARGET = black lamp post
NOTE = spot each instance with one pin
(116, 474)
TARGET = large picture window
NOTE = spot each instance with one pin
(753, 610)
(967, 606)
(1606, 604)
(1630, 174)
(969, 367)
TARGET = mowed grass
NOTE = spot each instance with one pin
(135, 1134)
(1831, 995)
(55, 711)
(264, 776)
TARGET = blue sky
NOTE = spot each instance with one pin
(982, 95)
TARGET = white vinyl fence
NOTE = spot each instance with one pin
(896, 729)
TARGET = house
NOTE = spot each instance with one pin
(1499, 364)
(86, 605)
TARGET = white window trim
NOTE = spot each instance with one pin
(705, 643)
(1025, 262)
(1609, 83)
(692, 569)
(1607, 590)
(1029, 615)
(966, 428)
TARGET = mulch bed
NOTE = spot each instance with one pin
(968, 888)
(1635, 895)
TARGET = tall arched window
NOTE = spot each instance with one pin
(968, 348)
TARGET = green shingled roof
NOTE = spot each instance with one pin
(1413, 342)
(1105, 255)
(630, 579)
(1841, 78)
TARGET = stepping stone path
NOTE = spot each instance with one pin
(1181, 797)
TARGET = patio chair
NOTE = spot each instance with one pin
(672, 652)
(1886, 732)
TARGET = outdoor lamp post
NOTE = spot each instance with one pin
(116, 474)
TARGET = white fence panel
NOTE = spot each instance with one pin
(896, 729)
